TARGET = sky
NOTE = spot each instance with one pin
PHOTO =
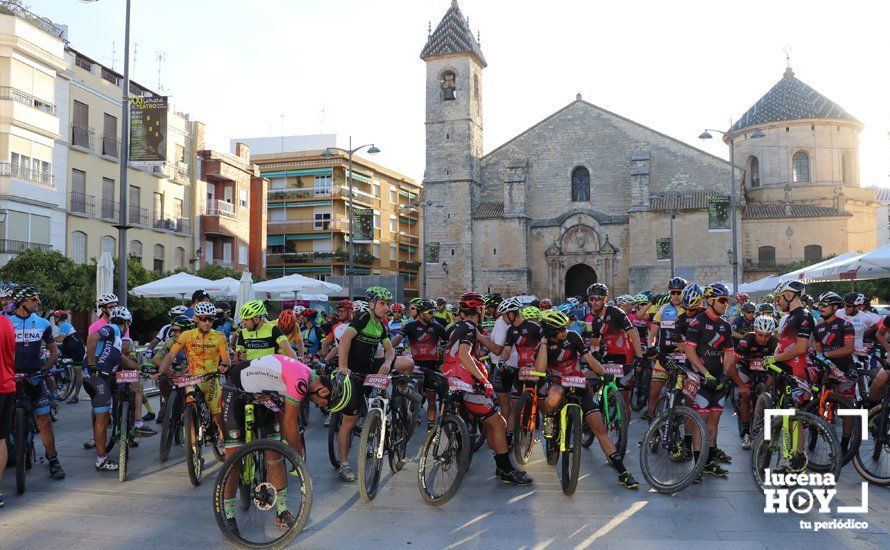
(253, 68)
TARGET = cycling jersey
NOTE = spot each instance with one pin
(742, 325)
(796, 324)
(642, 325)
(833, 335)
(499, 337)
(278, 373)
(337, 330)
(312, 337)
(423, 340)
(563, 355)
(444, 318)
(66, 329)
(369, 333)
(394, 326)
(666, 320)
(164, 334)
(31, 333)
(748, 348)
(710, 337)
(525, 339)
(861, 321)
(108, 349)
(205, 350)
(612, 327)
(101, 322)
(263, 341)
(179, 361)
(224, 328)
(462, 332)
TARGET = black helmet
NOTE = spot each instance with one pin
(223, 306)
(23, 292)
(597, 289)
(200, 294)
(677, 283)
(493, 299)
(854, 298)
(748, 307)
(830, 299)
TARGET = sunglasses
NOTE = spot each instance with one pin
(676, 292)
(412, 307)
(723, 300)
(204, 318)
(596, 298)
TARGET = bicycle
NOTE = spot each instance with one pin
(385, 429)
(639, 392)
(759, 378)
(872, 459)
(666, 435)
(25, 427)
(122, 424)
(253, 470)
(791, 435)
(65, 378)
(526, 416)
(171, 424)
(198, 426)
(616, 417)
(566, 439)
(446, 449)
(831, 384)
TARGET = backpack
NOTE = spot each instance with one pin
(73, 348)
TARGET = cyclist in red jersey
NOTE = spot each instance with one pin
(795, 328)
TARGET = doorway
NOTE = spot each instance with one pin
(578, 278)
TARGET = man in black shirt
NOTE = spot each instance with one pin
(750, 350)
(424, 335)
(744, 323)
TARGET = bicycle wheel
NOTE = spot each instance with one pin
(872, 459)
(551, 448)
(444, 460)
(191, 426)
(524, 428)
(571, 457)
(398, 440)
(169, 425)
(639, 397)
(21, 448)
(833, 403)
(619, 419)
(65, 383)
(764, 401)
(768, 453)
(257, 523)
(667, 464)
(368, 461)
(477, 433)
(123, 443)
(333, 429)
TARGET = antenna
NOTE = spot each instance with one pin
(787, 50)
(282, 132)
(135, 55)
(321, 122)
(113, 54)
(161, 57)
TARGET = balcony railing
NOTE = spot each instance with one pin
(182, 225)
(408, 239)
(42, 23)
(8, 246)
(177, 225)
(181, 171)
(306, 226)
(82, 203)
(299, 193)
(769, 264)
(137, 215)
(14, 94)
(111, 146)
(216, 207)
(22, 172)
(301, 258)
(108, 209)
(219, 261)
(409, 266)
(81, 136)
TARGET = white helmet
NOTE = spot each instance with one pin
(299, 309)
(574, 301)
(106, 299)
(176, 311)
(510, 304)
(359, 306)
(796, 287)
(205, 308)
(765, 324)
(624, 300)
(120, 312)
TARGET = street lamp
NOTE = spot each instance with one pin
(733, 201)
(672, 206)
(424, 205)
(329, 153)
(123, 156)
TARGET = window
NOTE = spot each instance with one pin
(766, 256)
(812, 253)
(432, 253)
(134, 197)
(109, 243)
(449, 87)
(278, 183)
(227, 253)
(80, 127)
(393, 197)
(180, 153)
(109, 210)
(136, 250)
(208, 250)
(277, 215)
(375, 250)
(242, 254)
(158, 208)
(580, 184)
(846, 169)
(323, 185)
(79, 247)
(376, 220)
(109, 136)
(376, 189)
(179, 257)
(393, 251)
(393, 225)
(800, 167)
(242, 198)
(755, 172)
(78, 192)
(159, 258)
(322, 221)
(476, 86)
(177, 209)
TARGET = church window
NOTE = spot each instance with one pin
(766, 256)
(449, 88)
(494, 251)
(812, 253)
(580, 184)
(476, 86)
(800, 167)
(846, 169)
(755, 172)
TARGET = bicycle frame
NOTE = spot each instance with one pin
(563, 413)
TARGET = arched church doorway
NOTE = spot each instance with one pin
(578, 278)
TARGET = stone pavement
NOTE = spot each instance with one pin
(158, 508)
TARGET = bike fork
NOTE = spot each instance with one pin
(380, 444)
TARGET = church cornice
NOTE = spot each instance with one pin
(600, 217)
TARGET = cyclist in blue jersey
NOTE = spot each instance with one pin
(32, 334)
(395, 323)
(312, 334)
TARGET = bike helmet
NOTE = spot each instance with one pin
(765, 324)
(375, 293)
(747, 307)
(206, 309)
(715, 290)
(106, 299)
(222, 306)
(441, 301)
(850, 298)
(545, 304)
(692, 296)
(641, 299)
(766, 309)
(493, 299)
(340, 385)
(176, 311)
(183, 323)
(530, 313)
(677, 283)
(552, 320)
(597, 289)
(795, 287)
(120, 313)
(624, 300)
(358, 306)
(60, 314)
(414, 301)
(451, 308)
(310, 314)
(662, 299)
(510, 304)
(397, 309)
(470, 300)
(566, 308)
(343, 304)
(287, 321)
(831, 299)
(769, 298)
(254, 308)
(742, 296)
(299, 309)
(425, 306)
(199, 295)
(24, 292)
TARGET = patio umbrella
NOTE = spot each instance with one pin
(226, 287)
(180, 285)
(285, 287)
(104, 275)
(245, 293)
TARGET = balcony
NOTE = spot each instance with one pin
(42, 177)
(308, 226)
(138, 216)
(284, 258)
(219, 261)
(406, 238)
(108, 209)
(80, 203)
(217, 207)
(300, 193)
(176, 225)
(17, 247)
(81, 136)
(181, 172)
(14, 94)
(35, 20)
(408, 266)
(111, 146)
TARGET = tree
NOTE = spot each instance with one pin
(216, 272)
(62, 283)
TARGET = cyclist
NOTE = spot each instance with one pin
(312, 333)
(744, 323)
(834, 338)
(545, 304)
(767, 308)
(559, 354)
(287, 322)
(641, 319)
(164, 334)
(523, 336)
(32, 333)
(395, 321)
(7, 387)
(206, 352)
(198, 296)
(665, 337)
(876, 391)
(795, 328)
(460, 363)
(443, 315)
(223, 322)
(753, 346)
(295, 382)
(104, 357)
(412, 309)
(709, 349)
(355, 354)
(180, 361)
(424, 336)
(329, 345)
(258, 337)
(863, 322)
(71, 347)
(736, 309)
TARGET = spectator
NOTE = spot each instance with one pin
(7, 388)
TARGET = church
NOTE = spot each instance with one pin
(587, 195)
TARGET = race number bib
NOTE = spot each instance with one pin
(573, 382)
(379, 381)
(691, 384)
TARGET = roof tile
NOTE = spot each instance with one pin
(758, 210)
(453, 35)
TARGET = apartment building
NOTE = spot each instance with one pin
(232, 210)
(32, 97)
(308, 221)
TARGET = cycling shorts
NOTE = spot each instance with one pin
(504, 380)
(479, 405)
(212, 394)
(100, 388)
(590, 402)
(265, 420)
(38, 394)
(709, 400)
(429, 381)
(7, 413)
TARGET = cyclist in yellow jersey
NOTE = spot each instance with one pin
(206, 352)
(258, 337)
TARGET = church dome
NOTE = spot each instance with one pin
(791, 99)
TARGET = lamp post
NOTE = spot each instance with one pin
(328, 153)
(733, 200)
(123, 156)
(672, 205)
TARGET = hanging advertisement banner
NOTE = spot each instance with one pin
(363, 225)
(718, 212)
(663, 249)
(148, 129)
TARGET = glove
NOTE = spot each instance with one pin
(641, 363)
(709, 381)
(502, 365)
(606, 377)
(486, 385)
(821, 358)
